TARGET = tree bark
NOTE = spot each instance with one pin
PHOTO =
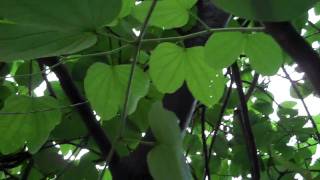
(298, 48)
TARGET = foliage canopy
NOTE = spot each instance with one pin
(167, 89)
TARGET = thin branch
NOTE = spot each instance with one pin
(30, 79)
(97, 54)
(44, 77)
(252, 86)
(204, 143)
(85, 111)
(265, 92)
(245, 124)
(203, 33)
(313, 26)
(297, 91)
(44, 110)
(218, 123)
(124, 113)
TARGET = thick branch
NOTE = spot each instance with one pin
(245, 125)
(299, 50)
(84, 109)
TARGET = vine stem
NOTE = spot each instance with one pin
(204, 32)
(44, 110)
(138, 43)
(204, 143)
(245, 124)
(218, 123)
(296, 90)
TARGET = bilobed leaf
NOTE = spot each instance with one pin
(266, 10)
(35, 29)
(264, 53)
(166, 159)
(170, 65)
(106, 86)
(167, 13)
(222, 49)
(38, 116)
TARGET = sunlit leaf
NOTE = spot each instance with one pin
(106, 87)
(171, 65)
(167, 13)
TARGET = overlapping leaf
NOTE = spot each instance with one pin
(265, 55)
(166, 159)
(106, 86)
(171, 65)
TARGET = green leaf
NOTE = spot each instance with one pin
(291, 166)
(36, 29)
(106, 86)
(167, 67)
(205, 84)
(266, 10)
(170, 65)
(264, 53)
(79, 15)
(28, 73)
(166, 159)
(38, 116)
(221, 146)
(167, 14)
(28, 42)
(222, 49)
(164, 125)
(305, 89)
(166, 163)
(85, 170)
(49, 161)
(71, 127)
(127, 6)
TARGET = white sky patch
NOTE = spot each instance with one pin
(280, 87)
(136, 32)
(312, 16)
(9, 78)
(39, 91)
